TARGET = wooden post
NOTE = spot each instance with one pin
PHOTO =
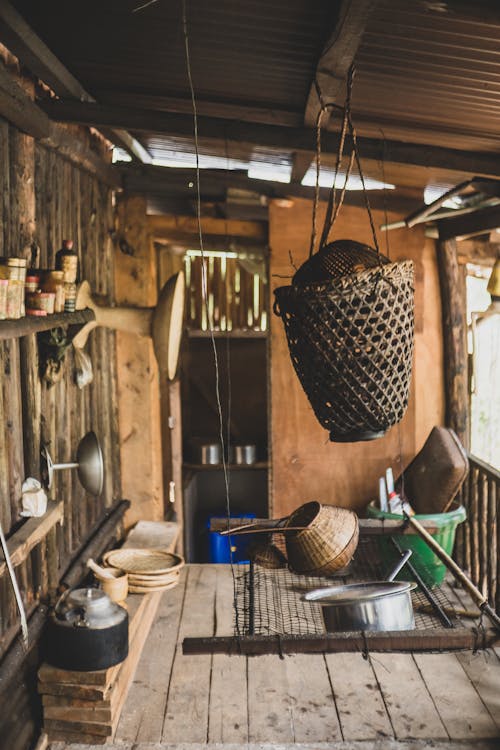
(454, 339)
(137, 370)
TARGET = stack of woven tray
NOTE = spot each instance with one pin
(148, 569)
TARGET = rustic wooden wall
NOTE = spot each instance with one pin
(138, 382)
(305, 465)
(43, 199)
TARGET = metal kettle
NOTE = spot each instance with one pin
(87, 631)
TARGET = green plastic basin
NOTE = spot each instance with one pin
(425, 562)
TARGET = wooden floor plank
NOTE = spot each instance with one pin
(459, 704)
(360, 705)
(269, 714)
(265, 703)
(186, 716)
(313, 713)
(386, 744)
(483, 669)
(142, 716)
(228, 715)
(411, 709)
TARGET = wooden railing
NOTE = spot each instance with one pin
(478, 539)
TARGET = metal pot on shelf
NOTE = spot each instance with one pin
(242, 454)
(376, 605)
(86, 632)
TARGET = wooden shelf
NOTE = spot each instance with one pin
(12, 329)
(259, 465)
(31, 533)
(236, 334)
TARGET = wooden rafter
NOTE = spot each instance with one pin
(23, 42)
(17, 107)
(333, 67)
(269, 136)
(178, 183)
(338, 56)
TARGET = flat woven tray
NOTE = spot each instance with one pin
(144, 561)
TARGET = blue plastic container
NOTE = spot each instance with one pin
(220, 548)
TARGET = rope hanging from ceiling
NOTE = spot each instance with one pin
(348, 317)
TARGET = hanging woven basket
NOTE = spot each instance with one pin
(350, 338)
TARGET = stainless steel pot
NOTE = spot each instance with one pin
(378, 605)
(243, 454)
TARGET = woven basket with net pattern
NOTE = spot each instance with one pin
(351, 343)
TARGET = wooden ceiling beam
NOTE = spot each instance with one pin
(167, 226)
(333, 67)
(17, 108)
(270, 136)
(337, 57)
(301, 161)
(165, 182)
(27, 46)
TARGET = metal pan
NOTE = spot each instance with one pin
(377, 605)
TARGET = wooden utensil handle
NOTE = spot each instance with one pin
(476, 595)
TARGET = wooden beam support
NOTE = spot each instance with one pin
(338, 56)
(166, 226)
(301, 161)
(398, 640)
(470, 225)
(23, 42)
(178, 183)
(128, 143)
(270, 136)
(454, 339)
(19, 109)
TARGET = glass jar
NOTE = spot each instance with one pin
(53, 281)
(67, 261)
(70, 297)
(41, 301)
(4, 283)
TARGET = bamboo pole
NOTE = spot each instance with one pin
(460, 576)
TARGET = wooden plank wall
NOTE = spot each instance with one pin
(306, 465)
(43, 200)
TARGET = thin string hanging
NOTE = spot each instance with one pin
(205, 296)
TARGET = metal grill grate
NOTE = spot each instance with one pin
(269, 601)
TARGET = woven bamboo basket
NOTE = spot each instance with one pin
(326, 542)
(144, 562)
(351, 340)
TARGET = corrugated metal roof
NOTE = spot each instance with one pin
(256, 52)
(433, 72)
(427, 71)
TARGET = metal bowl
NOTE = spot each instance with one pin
(90, 464)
